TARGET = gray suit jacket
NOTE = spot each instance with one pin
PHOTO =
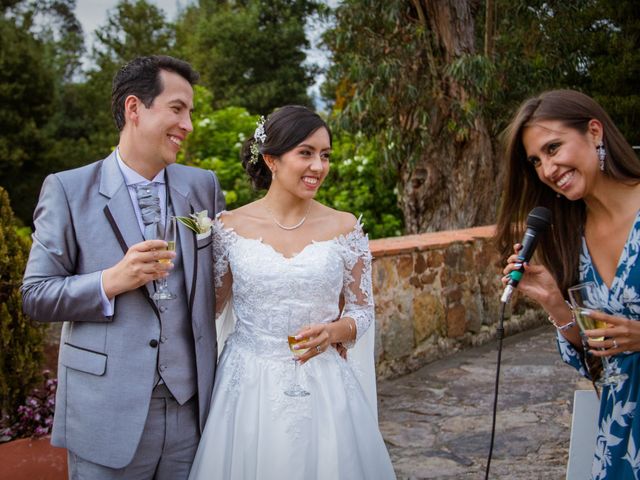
(84, 223)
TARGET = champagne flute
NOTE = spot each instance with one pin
(295, 323)
(169, 235)
(584, 297)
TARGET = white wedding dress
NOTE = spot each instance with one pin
(254, 430)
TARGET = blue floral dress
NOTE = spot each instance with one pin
(617, 454)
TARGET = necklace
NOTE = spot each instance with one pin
(284, 227)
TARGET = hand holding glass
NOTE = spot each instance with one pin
(295, 323)
(169, 236)
(584, 297)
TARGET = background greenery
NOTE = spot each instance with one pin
(416, 115)
(434, 83)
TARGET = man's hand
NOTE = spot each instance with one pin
(140, 265)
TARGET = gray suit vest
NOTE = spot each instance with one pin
(176, 351)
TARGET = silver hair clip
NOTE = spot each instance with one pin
(258, 136)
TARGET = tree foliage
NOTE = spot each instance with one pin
(402, 73)
(413, 75)
(133, 28)
(420, 89)
(610, 63)
(250, 53)
(26, 104)
(215, 144)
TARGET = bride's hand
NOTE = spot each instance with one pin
(318, 337)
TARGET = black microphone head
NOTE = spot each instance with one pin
(539, 219)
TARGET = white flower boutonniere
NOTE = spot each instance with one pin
(199, 222)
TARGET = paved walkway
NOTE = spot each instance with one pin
(437, 421)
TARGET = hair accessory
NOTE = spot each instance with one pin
(258, 136)
(602, 154)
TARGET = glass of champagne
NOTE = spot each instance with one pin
(585, 297)
(295, 323)
(169, 235)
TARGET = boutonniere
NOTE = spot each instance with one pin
(199, 222)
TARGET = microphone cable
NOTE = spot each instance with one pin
(499, 336)
(538, 221)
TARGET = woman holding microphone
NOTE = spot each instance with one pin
(564, 153)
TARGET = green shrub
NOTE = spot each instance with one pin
(215, 144)
(20, 338)
(359, 182)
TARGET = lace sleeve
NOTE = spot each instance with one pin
(222, 278)
(357, 289)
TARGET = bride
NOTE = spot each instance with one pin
(280, 259)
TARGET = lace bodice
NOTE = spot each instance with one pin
(266, 286)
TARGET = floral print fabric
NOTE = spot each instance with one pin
(617, 454)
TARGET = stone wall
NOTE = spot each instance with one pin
(437, 293)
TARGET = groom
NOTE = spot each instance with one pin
(134, 378)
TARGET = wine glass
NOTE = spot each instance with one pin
(585, 297)
(168, 235)
(295, 323)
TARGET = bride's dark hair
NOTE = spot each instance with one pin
(284, 129)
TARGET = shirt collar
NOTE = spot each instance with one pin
(131, 177)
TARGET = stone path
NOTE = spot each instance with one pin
(437, 421)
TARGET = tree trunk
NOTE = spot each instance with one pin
(452, 183)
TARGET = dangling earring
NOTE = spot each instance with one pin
(273, 174)
(602, 155)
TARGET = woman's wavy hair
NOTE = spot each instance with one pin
(559, 248)
(285, 128)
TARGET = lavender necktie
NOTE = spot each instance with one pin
(149, 203)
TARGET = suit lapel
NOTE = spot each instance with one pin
(120, 212)
(182, 207)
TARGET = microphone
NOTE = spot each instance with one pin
(538, 221)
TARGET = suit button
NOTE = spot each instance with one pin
(153, 343)
(163, 309)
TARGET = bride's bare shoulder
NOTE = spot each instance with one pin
(342, 222)
(240, 216)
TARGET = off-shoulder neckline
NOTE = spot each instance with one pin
(354, 232)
